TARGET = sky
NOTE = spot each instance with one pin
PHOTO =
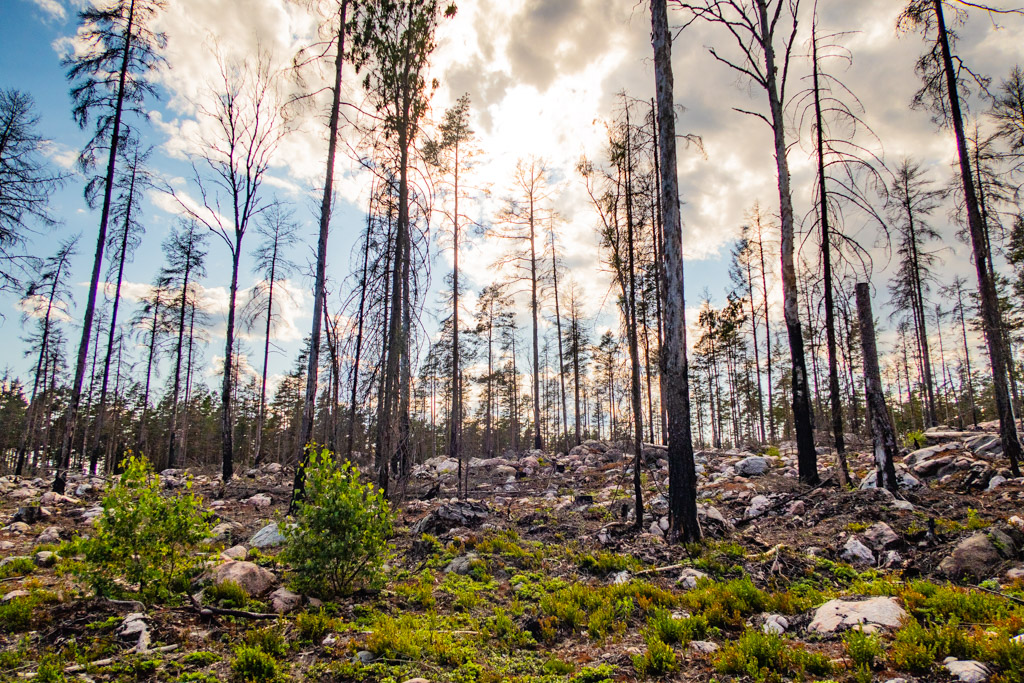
(544, 76)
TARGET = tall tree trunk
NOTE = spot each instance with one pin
(634, 351)
(172, 451)
(835, 402)
(807, 459)
(882, 433)
(538, 442)
(682, 474)
(561, 356)
(455, 423)
(261, 410)
(226, 423)
(309, 400)
(71, 417)
(989, 298)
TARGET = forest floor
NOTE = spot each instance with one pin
(545, 578)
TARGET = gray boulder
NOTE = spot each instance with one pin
(253, 578)
(267, 537)
(871, 614)
(976, 556)
(753, 466)
(452, 516)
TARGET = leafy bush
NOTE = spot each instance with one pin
(144, 538)
(602, 673)
(226, 594)
(268, 639)
(16, 615)
(604, 563)
(659, 659)
(253, 665)
(50, 670)
(313, 626)
(341, 529)
(862, 648)
(668, 629)
(201, 658)
(17, 566)
(768, 657)
(915, 440)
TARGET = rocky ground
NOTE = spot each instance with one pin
(542, 576)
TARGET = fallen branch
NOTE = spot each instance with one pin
(658, 570)
(210, 611)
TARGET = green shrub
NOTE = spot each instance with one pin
(313, 626)
(670, 630)
(253, 665)
(200, 659)
(341, 529)
(768, 657)
(557, 667)
(725, 605)
(226, 594)
(912, 650)
(602, 673)
(18, 566)
(659, 659)
(143, 537)
(914, 440)
(16, 615)
(862, 648)
(50, 670)
(604, 563)
(269, 639)
(503, 629)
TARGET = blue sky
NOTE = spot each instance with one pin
(543, 76)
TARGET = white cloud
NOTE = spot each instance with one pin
(53, 8)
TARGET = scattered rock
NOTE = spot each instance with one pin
(253, 578)
(857, 554)
(267, 537)
(967, 670)
(18, 528)
(283, 601)
(451, 516)
(880, 536)
(364, 657)
(15, 594)
(975, 556)
(796, 508)
(753, 466)
(689, 577)
(871, 614)
(135, 627)
(995, 481)
(462, 565)
(775, 624)
(45, 558)
(703, 646)
(50, 535)
(758, 506)
(225, 531)
(235, 552)
(259, 501)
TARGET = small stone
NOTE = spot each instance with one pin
(50, 535)
(45, 558)
(620, 578)
(15, 594)
(267, 537)
(17, 528)
(283, 601)
(1015, 573)
(253, 578)
(891, 558)
(995, 481)
(135, 627)
(688, 578)
(703, 646)
(881, 536)
(758, 506)
(903, 505)
(796, 508)
(461, 565)
(259, 501)
(775, 624)
(857, 554)
(967, 671)
(235, 552)
(364, 657)
(417, 680)
(225, 531)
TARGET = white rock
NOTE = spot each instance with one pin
(967, 671)
(881, 536)
(135, 627)
(688, 578)
(703, 646)
(758, 506)
(235, 552)
(857, 554)
(995, 481)
(267, 537)
(260, 501)
(870, 614)
(283, 600)
(775, 624)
